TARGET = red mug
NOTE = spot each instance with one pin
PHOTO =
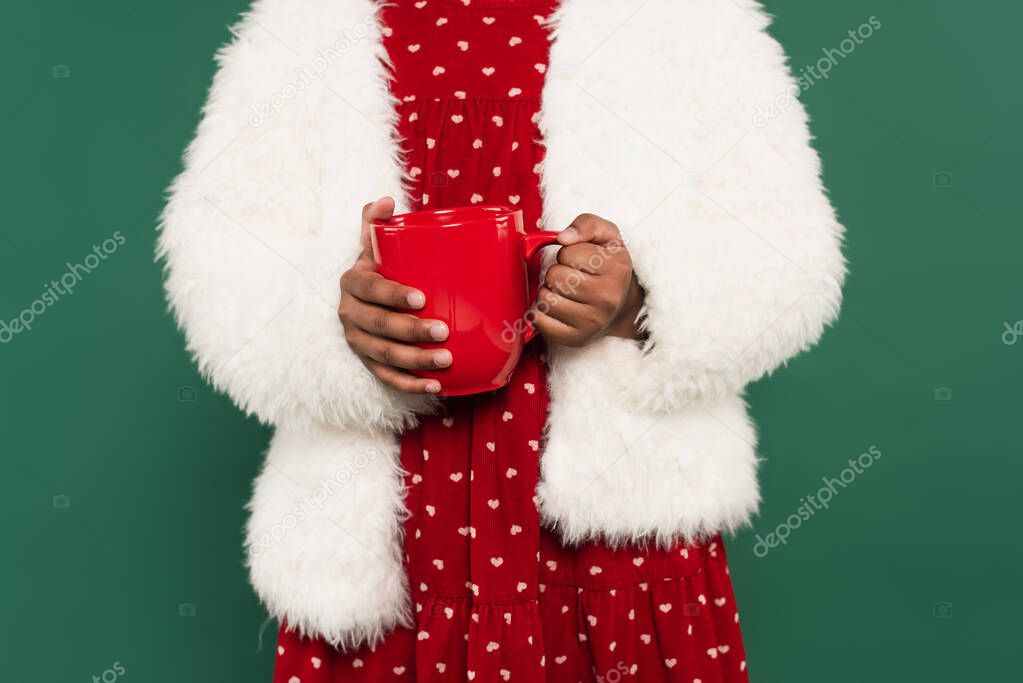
(471, 263)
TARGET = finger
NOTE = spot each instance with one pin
(380, 210)
(374, 288)
(383, 322)
(402, 381)
(556, 331)
(589, 228)
(585, 256)
(571, 283)
(572, 313)
(396, 354)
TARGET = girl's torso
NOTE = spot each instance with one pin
(496, 596)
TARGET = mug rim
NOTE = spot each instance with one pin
(489, 213)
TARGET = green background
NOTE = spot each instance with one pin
(912, 574)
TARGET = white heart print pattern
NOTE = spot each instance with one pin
(468, 77)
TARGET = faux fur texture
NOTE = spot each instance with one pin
(324, 531)
(266, 217)
(648, 119)
(255, 235)
(645, 475)
(731, 235)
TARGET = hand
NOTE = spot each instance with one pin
(591, 291)
(382, 338)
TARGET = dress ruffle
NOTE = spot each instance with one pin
(647, 624)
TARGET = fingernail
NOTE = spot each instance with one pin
(433, 388)
(439, 331)
(416, 300)
(442, 358)
(568, 235)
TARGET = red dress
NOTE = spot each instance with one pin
(496, 597)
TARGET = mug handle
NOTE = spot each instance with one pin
(532, 243)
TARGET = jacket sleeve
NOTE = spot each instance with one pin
(751, 277)
(723, 212)
(259, 227)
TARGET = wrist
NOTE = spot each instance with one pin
(626, 324)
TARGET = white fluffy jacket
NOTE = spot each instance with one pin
(648, 118)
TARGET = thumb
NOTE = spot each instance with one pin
(589, 228)
(380, 210)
